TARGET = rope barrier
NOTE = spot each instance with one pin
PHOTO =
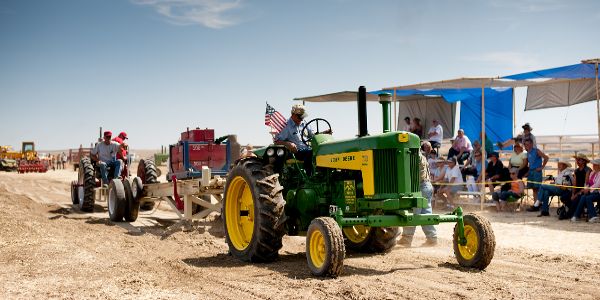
(503, 182)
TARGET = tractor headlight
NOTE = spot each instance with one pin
(280, 152)
(270, 152)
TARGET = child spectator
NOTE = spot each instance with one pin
(516, 191)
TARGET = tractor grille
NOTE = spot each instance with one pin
(386, 173)
(414, 170)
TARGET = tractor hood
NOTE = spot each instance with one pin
(324, 144)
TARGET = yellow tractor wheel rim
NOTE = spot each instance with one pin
(469, 250)
(317, 248)
(239, 209)
(357, 233)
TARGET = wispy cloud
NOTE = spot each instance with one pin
(532, 6)
(209, 13)
(515, 61)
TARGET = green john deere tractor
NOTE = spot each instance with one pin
(361, 191)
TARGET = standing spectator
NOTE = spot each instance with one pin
(516, 191)
(63, 158)
(53, 162)
(58, 161)
(461, 147)
(537, 161)
(589, 195)
(564, 177)
(525, 135)
(435, 134)
(407, 126)
(455, 183)
(416, 127)
(518, 161)
(427, 192)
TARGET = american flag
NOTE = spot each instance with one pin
(274, 119)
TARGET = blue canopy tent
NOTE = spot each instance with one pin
(564, 86)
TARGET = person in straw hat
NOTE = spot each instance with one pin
(560, 187)
(589, 195)
(525, 135)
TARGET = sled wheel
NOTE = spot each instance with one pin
(253, 212)
(74, 193)
(325, 249)
(481, 243)
(117, 200)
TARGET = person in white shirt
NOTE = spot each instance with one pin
(407, 126)
(105, 154)
(435, 134)
(455, 183)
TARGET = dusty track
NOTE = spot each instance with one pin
(50, 250)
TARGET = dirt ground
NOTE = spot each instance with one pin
(50, 250)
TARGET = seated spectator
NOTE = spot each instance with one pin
(438, 173)
(581, 176)
(589, 195)
(489, 146)
(407, 126)
(516, 191)
(495, 172)
(473, 165)
(461, 147)
(435, 134)
(526, 134)
(564, 177)
(455, 183)
(518, 160)
(416, 127)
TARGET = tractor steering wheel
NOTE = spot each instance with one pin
(313, 125)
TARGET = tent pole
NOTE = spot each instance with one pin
(598, 103)
(483, 154)
(514, 115)
(395, 116)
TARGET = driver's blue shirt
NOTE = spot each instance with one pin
(291, 133)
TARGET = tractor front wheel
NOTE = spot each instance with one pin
(86, 185)
(325, 250)
(478, 250)
(253, 212)
(367, 239)
(117, 200)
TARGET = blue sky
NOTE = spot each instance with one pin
(154, 67)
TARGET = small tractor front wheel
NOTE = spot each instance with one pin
(86, 185)
(367, 239)
(117, 200)
(132, 190)
(253, 212)
(480, 245)
(325, 250)
(148, 174)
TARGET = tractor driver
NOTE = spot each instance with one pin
(290, 137)
(105, 154)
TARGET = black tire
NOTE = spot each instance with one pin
(87, 185)
(481, 243)
(325, 250)
(117, 200)
(261, 210)
(74, 193)
(370, 239)
(148, 174)
(133, 202)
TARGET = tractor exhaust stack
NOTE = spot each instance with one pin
(385, 99)
(362, 112)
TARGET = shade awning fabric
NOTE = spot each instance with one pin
(570, 72)
(463, 83)
(345, 96)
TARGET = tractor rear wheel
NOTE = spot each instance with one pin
(367, 239)
(86, 185)
(132, 191)
(481, 243)
(148, 174)
(325, 249)
(117, 200)
(253, 212)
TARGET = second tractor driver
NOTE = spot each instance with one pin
(105, 154)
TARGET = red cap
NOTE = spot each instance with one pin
(108, 133)
(123, 135)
